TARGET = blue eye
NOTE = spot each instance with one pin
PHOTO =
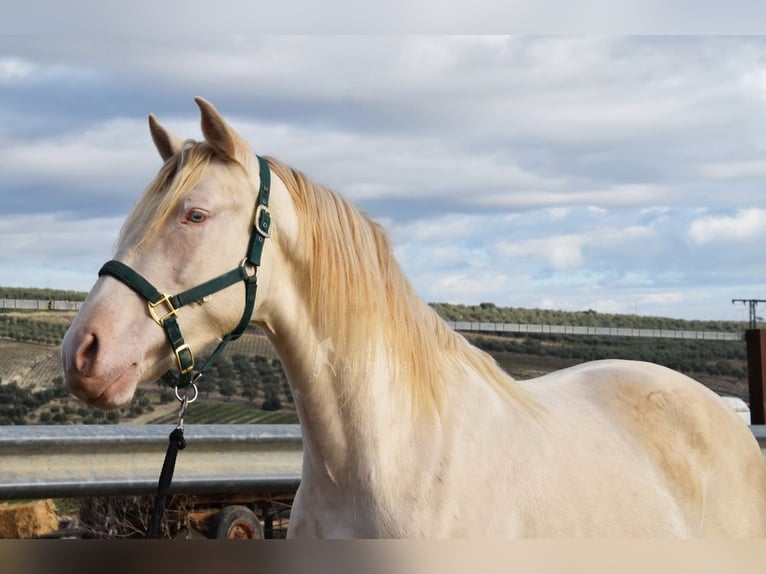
(196, 216)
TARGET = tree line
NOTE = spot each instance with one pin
(489, 312)
(41, 294)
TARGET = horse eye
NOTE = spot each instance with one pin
(196, 216)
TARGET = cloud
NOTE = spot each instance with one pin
(747, 224)
(114, 150)
(612, 196)
(12, 69)
(453, 226)
(559, 251)
(475, 286)
(42, 249)
(735, 170)
(576, 171)
(661, 298)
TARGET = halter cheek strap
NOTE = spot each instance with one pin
(163, 309)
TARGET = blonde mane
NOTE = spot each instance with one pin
(357, 293)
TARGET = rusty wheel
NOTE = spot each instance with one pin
(235, 523)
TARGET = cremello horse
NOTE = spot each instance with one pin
(409, 431)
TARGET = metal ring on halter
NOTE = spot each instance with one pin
(245, 263)
(186, 398)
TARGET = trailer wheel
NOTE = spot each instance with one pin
(235, 523)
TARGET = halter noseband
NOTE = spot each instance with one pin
(163, 308)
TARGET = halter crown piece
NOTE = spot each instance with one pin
(163, 308)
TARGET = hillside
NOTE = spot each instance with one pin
(247, 384)
(720, 365)
(32, 365)
(489, 312)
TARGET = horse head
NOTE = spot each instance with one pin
(190, 227)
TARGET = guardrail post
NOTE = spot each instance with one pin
(756, 374)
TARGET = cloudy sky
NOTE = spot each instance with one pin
(621, 174)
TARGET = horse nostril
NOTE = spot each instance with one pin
(87, 354)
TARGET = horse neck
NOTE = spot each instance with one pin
(355, 414)
(371, 366)
(357, 388)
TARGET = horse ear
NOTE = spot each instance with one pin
(166, 143)
(223, 139)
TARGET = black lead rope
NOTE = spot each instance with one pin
(176, 442)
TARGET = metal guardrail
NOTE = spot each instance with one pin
(475, 326)
(490, 327)
(93, 460)
(38, 461)
(759, 432)
(39, 304)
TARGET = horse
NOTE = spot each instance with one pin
(408, 429)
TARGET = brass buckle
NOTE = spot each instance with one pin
(259, 212)
(161, 320)
(178, 351)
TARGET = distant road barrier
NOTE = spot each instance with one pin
(39, 305)
(489, 327)
(472, 326)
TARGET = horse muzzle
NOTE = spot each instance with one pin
(89, 378)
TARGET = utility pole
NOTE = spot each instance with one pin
(753, 304)
(756, 363)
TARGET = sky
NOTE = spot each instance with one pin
(623, 174)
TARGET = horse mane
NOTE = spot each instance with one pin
(356, 290)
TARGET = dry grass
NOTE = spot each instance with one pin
(27, 519)
(31, 365)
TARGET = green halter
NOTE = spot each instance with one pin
(163, 308)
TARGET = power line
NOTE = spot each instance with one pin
(753, 303)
